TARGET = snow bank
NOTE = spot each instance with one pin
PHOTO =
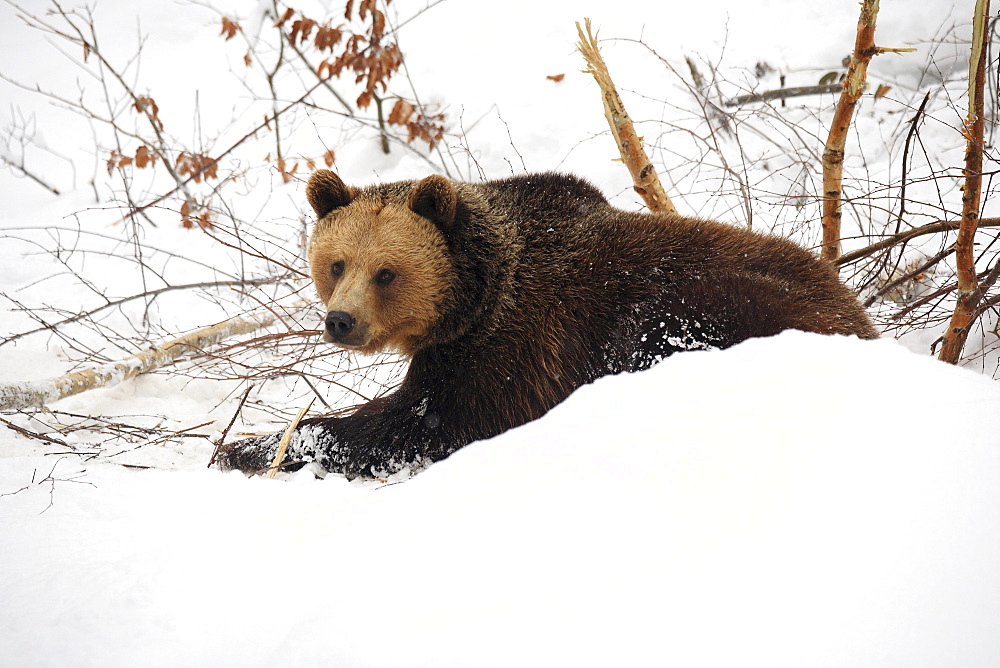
(799, 500)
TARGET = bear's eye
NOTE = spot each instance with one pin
(385, 277)
(337, 269)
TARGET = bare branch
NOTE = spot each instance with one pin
(783, 94)
(144, 295)
(19, 166)
(931, 228)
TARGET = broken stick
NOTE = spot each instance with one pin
(644, 177)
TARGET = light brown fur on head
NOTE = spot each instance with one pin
(365, 237)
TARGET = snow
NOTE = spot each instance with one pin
(798, 500)
(762, 505)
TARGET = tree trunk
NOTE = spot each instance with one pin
(969, 294)
(833, 154)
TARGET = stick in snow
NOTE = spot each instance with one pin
(286, 438)
(35, 394)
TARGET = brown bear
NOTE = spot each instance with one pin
(508, 295)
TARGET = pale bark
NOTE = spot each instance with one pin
(833, 153)
(286, 438)
(37, 393)
(644, 177)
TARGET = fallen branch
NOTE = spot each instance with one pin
(644, 177)
(782, 94)
(35, 394)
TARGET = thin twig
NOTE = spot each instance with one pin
(143, 295)
(232, 421)
(889, 287)
(21, 168)
(31, 434)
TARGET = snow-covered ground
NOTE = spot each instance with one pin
(776, 504)
(800, 500)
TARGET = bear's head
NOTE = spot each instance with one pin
(379, 259)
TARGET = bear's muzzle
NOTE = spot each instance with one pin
(342, 329)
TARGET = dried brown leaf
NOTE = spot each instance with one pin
(144, 157)
(147, 105)
(301, 30)
(401, 112)
(327, 38)
(365, 7)
(229, 28)
(112, 161)
(289, 13)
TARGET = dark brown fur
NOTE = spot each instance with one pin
(511, 294)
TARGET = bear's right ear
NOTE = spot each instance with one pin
(435, 198)
(326, 192)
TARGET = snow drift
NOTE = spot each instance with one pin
(764, 505)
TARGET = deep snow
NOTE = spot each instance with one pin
(764, 505)
(793, 501)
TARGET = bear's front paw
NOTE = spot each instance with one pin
(362, 463)
(251, 455)
(256, 455)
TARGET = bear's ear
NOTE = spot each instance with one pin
(326, 192)
(435, 198)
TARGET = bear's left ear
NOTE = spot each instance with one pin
(326, 192)
(435, 198)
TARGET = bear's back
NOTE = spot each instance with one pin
(547, 196)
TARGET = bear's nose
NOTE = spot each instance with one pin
(339, 324)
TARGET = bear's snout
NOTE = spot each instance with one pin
(339, 325)
(343, 329)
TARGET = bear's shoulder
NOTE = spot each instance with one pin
(550, 187)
